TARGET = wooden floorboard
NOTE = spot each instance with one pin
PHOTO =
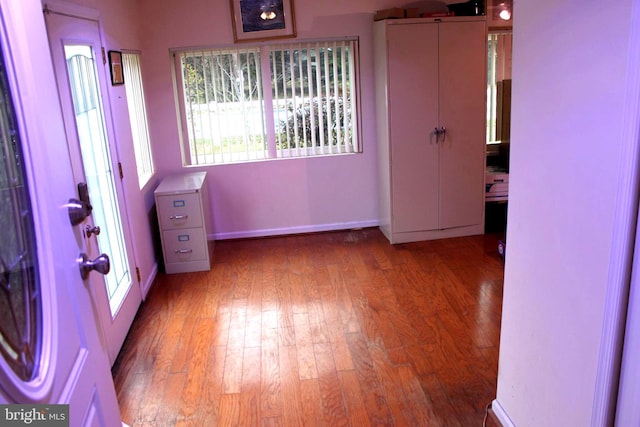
(327, 329)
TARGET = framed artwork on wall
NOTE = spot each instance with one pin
(262, 19)
(499, 14)
(115, 65)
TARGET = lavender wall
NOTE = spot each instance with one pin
(120, 23)
(277, 196)
(569, 81)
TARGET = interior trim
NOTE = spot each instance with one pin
(146, 287)
(622, 241)
(501, 414)
(266, 232)
(70, 9)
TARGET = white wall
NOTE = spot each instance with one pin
(277, 196)
(569, 68)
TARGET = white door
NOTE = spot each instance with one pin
(413, 69)
(463, 86)
(82, 85)
(50, 349)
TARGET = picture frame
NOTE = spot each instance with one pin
(256, 20)
(115, 67)
(493, 9)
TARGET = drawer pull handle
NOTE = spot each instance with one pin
(183, 251)
(174, 217)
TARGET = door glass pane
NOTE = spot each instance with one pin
(20, 304)
(98, 168)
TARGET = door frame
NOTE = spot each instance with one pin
(622, 241)
(79, 12)
(78, 376)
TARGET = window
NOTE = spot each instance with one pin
(275, 101)
(21, 307)
(138, 116)
(498, 87)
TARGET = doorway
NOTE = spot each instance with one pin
(62, 360)
(79, 66)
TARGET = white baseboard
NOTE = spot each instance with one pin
(501, 414)
(144, 288)
(417, 236)
(293, 230)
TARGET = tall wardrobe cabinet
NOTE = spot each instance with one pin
(431, 123)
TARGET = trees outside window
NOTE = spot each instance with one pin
(264, 102)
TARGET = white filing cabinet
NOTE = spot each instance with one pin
(182, 205)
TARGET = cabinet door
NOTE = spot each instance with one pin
(413, 106)
(462, 59)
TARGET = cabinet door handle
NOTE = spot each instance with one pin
(440, 131)
(183, 251)
(173, 217)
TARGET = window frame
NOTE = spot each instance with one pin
(144, 154)
(271, 152)
(498, 69)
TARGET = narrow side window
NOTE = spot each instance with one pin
(138, 116)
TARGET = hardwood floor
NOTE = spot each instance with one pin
(327, 329)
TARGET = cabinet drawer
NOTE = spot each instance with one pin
(179, 211)
(184, 245)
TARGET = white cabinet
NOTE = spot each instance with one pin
(431, 124)
(182, 206)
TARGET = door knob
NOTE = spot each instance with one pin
(101, 264)
(78, 211)
(92, 230)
